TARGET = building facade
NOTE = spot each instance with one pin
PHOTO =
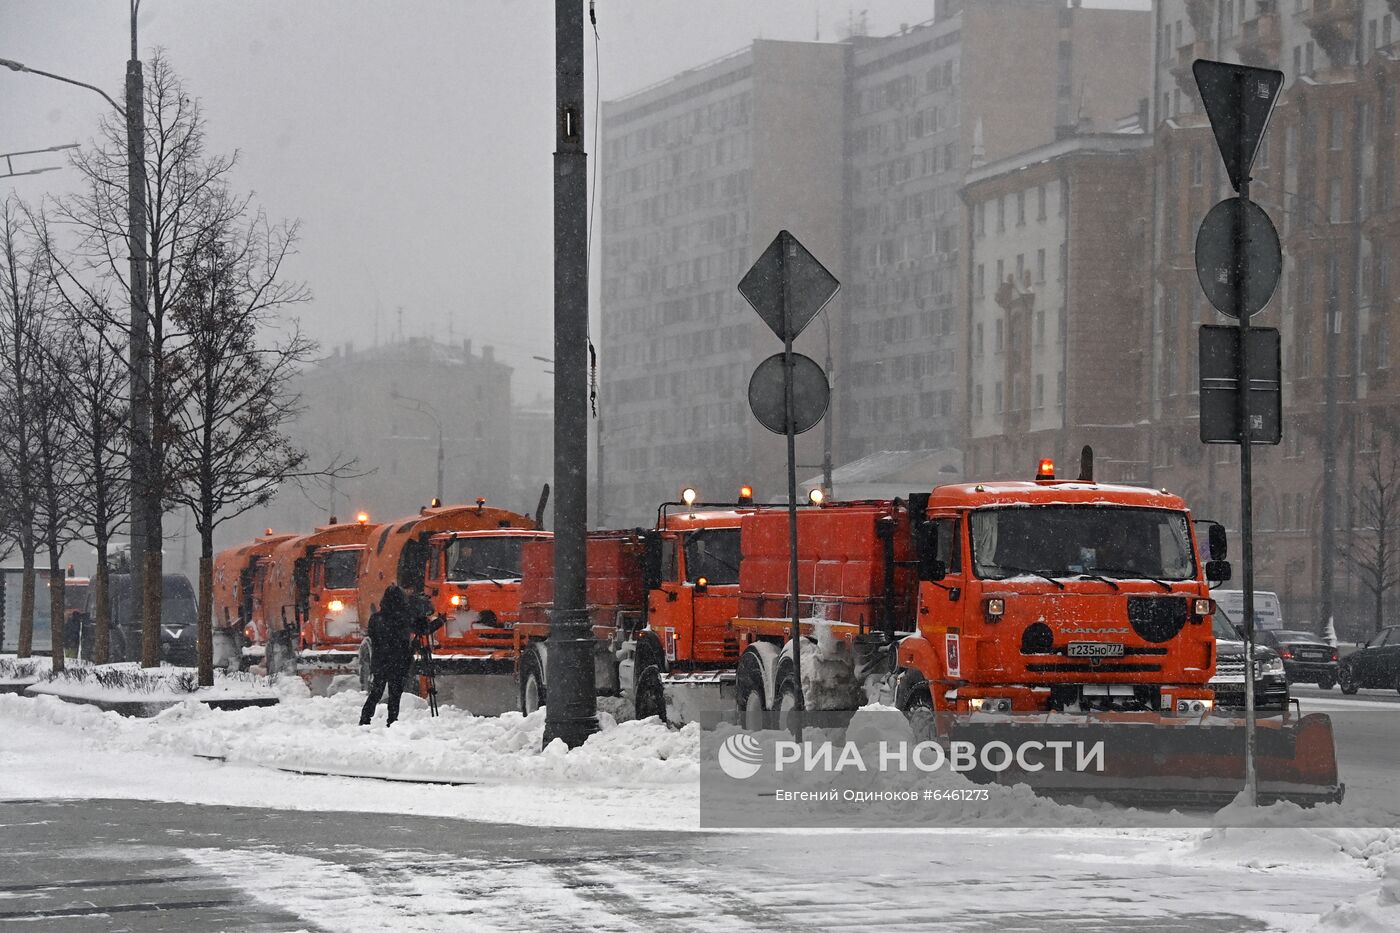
(1328, 177)
(1055, 243)
(699, 173)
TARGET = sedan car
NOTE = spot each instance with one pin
(1270, 681)
(1306, 658)
(1374, 664)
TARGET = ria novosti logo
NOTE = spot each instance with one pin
(740, 756)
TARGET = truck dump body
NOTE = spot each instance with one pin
(317, 612)
(239, 573)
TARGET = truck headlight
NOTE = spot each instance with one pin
(336, 605)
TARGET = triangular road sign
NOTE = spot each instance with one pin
(787, 277)
(1238, 100)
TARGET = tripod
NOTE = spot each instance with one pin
(423, 649)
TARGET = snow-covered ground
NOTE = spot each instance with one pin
(643, 776)
(129, 682)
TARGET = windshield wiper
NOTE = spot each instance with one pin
(1134, 574)
(1039, 573)
(1094, 576)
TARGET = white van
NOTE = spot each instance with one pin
(1267, 613)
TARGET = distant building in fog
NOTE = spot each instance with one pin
(382, 407)
(699, 173)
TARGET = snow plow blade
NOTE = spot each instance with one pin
(1150, 760)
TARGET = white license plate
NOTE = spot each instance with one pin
(1094, 649)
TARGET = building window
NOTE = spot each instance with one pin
(1039, 391)
(1040, 265)
(979, 285)
(1000, 343)
(1039, 328)
(1335, 125)
(977, 400)
(1334, 201)
(998, 395)
(1020, 208)
(1198, 165)
(977, 344)
(1001, 215)
(1040, 203)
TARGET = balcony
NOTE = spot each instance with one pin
(1185, 55)
(1333, 24)
(1261, 40)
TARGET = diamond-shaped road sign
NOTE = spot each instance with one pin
(787, 286)
(1238, 99)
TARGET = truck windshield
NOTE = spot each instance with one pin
(340, 569)
(1069, 540)
(712, 553)
(471, 559)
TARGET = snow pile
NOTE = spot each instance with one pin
(1377, 912)
(320, 734)
(130, 683)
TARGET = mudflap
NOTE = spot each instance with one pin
(1159, 761)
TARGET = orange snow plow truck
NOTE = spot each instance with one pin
(290, 600)
(988, 610)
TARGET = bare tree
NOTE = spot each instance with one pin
(96, 403)
(232, 444)
(25, 298)
(187, 206)
(59, 512)
(1373, 549)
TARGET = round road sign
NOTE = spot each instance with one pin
(1249, 277)
(810, 393)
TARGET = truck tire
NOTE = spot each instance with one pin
(748, 688)
(921, 717)
(651, 695)
(785, 698)
(532, 685)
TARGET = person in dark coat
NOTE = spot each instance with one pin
(391, 652)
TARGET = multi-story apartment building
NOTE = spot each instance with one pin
(1055, 244)
(699, 173)
(982, 81)
(1328, 176)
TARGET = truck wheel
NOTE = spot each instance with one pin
(1326, 682)
(1348, 681)
(532, 687)
(748, 687)
(364, 661)
(651, 695)
(921, 717)
(785, 699)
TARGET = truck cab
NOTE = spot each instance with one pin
(1058, 596)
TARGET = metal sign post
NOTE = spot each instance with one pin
(788, 287)
(1239, 101)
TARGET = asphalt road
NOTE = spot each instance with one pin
(90, 865)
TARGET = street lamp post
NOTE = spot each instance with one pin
(145, 502)
(9, 157)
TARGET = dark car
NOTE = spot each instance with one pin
(1306, 658)
(177, 621)
(1374, 664)
(1270, 681)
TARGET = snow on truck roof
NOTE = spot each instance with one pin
(1052, 492)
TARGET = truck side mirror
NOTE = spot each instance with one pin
(651, 561)
(1217, 571)
(1219, 546)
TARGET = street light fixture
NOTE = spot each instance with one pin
(10, 165)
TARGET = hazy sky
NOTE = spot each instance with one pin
(412, 138)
